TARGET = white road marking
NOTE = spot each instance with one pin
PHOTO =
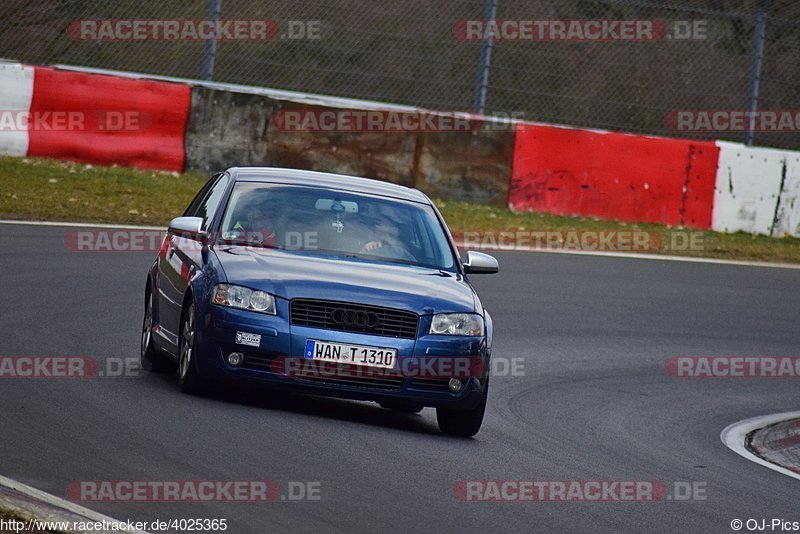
(628, 255)
(638, 256)
(734, 435)
(58, 502)
(82, 225)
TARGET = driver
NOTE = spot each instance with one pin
(386, 240)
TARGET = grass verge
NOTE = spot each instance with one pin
(41, 189)
(7, 515)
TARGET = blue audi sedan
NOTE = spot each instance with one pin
(325, 284)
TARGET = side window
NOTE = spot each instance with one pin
(191, 211)
(207, 200)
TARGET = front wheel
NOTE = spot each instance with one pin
(152, 360)
(188, 378)
(463, 423)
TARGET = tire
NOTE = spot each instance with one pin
(462, 423)
(402, 406)
(152, 359)
(188, 378)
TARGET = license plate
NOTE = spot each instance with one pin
(351, 354)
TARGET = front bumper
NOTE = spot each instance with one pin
(422, 371)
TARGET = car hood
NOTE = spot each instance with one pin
(296, 275)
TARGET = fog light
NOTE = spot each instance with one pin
(235, 358)
(455, 385)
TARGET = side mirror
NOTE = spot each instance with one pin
(191, 227)
(480, 263)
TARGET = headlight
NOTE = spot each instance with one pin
(457, 324)
(243, 298)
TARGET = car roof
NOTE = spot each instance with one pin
(328, 181)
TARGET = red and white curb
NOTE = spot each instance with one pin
(734, 437)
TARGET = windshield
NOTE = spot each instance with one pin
(335, 223)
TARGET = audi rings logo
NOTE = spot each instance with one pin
(362, 319)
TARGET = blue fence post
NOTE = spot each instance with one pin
(482, 80)
(755, 70)
(210, 46)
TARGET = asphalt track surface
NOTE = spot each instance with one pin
(595, 402)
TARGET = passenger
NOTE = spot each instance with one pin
(258, 227)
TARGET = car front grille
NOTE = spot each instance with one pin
(310, 371)
(357, 318)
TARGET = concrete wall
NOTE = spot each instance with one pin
(384, 156)
(468, 166)
(229, 128)
(225, 128)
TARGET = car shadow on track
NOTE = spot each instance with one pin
(362, 412)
